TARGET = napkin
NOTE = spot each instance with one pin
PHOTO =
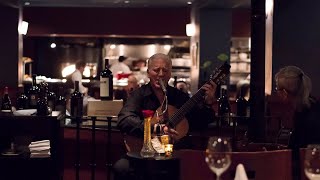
(36, 144)
(40, 155)
(156, 144)
(40, 149)
(240, 173)
(25, 112)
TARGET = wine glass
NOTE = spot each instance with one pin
(312, 162)
(218, 155)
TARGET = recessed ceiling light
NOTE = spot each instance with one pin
(126, 2)
(26, 3)
(53, 45)
(189, 2)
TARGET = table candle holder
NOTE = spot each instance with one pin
(168, 148)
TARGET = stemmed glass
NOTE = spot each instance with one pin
(218, 155)
(312, 162)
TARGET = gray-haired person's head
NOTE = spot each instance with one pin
(159, 56)
(296, 83)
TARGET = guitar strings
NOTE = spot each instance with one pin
(165, 104)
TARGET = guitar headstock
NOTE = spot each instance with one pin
(221, 73)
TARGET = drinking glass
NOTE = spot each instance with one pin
(218, 155)
(312, 162)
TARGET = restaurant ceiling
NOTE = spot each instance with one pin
(136, 3)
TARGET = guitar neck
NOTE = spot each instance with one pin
(217, 77)
(180, 113)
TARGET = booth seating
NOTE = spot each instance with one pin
(262, 165)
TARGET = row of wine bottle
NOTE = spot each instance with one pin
(224, 109)
(106, 91)
(30, 101)
(39, 97)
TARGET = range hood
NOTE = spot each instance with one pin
(135, 51)
(144, 48)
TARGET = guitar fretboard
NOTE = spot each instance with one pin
(217, 77)
(180, 113)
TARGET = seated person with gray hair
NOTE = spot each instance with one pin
(293, 87)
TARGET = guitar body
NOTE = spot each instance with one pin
(134, 144)
(182, 127)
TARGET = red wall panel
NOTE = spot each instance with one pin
(241, 23)
(45, 21)
(107, 21)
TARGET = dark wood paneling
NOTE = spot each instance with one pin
(9, 17)
(120, 21)
(241, 23)
(257, 96)
(296, 38)
(107, 21)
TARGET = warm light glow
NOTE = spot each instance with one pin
(112, 46)
(151, 49)
(190, 29)
(72, 67)
(68, 70)
(168, 148)
(86, 72)
(121, 49)
(269, 7)
(167, 47)
(23, 27)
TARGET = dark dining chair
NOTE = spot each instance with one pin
(302, 152)
(284, 136)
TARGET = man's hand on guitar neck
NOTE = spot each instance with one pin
(210, 89)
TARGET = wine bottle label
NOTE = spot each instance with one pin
(104, 87)
(33, 100)
(76, 107)
(248, 111)
(51, 104)
(60, 108)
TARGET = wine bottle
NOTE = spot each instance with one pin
(33, 93)
(61, 102)
(106, 83)
(224, 107)
(248, 108)
(175, 81)
(51, 99)
(42, 103)
(242, 104)
(76, 102)
(6, 102)
(22, 99)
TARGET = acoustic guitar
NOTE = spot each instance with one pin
(177, 118)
